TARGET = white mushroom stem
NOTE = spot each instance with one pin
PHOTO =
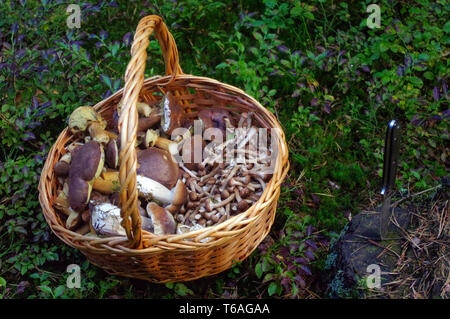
(152, 190)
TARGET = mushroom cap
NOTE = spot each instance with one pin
(86, 165)
(163, 221)
(112, 154)
(61, 168)
(172, 113)
(214, 118)
(81, 117)
(87, 162)
(158, 165)
(79, 193)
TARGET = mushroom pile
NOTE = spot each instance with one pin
(175, 196)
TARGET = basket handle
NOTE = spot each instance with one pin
(128, 120)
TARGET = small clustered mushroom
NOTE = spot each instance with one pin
(173, 197)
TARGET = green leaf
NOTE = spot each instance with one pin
(2, 282)
(258, 270)
(273, 287)
(59, 291)
(221, 65)
(428, 75)
(416, 81)
(45, 289)
(447, 27)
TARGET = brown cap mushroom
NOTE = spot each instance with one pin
(87, 164)
(214, 118)
(112, 154)
(61, 168)
(158, 165)
(85, 118)
(172, 113)
(163, 221)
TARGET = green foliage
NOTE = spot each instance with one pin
(332, 82)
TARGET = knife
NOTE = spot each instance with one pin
(391, 148)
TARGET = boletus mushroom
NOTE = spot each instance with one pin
(172, 113)
(85, 118)
(214, 118)
(163, 221)
(86, 166)
(158, 165)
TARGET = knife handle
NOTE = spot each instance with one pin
(391, 149)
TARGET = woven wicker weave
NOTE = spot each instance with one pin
(171, 257)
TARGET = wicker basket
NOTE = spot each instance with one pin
(168, 258)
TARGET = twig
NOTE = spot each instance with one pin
(414, 195)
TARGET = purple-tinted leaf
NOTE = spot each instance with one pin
(34, 103)
(301, 260)
(283, 48)
(314, 102)
(341, 53)
(408, 60)
(315, 199)
(127, 39)
(436, 94)
(311, 244)
(446, 114)
(103, 35)
(113, 4)
(295, 93)
(422, 101)
(297, 52)
(28, 136)
(400, 70)
(20, 38)
(326, 108)
(14, 27)
(23, 284)
(46, 104)
(35, 124)
(306, 270)
(444, 87)
(436, 118)
(38, 158)
(309, 230)
(299, 280)
(365, 68)
(309, 254)
(284, 251)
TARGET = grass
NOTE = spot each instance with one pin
(333, 83)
